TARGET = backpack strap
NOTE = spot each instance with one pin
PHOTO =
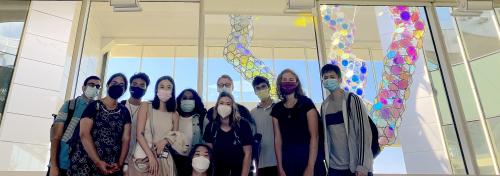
(71, 112)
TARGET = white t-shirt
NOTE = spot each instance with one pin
(133, 109)
(186, 127)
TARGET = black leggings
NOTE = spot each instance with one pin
(222, 169)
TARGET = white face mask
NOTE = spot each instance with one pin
(225, 89)
(164, 95)
(200, 164)
(224, 110)
(91, 92)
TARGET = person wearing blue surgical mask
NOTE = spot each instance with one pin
(65, 123)
(347, 147)
(192, 113)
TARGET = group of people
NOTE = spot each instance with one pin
(171, 136)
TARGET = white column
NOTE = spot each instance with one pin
(420, 133)
(38, 85)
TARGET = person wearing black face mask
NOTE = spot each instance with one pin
(139, 83)
(104, 137)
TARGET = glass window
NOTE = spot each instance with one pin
(116, 65)
(246, 46)
(156, 68)
(454, 151)
(480, 34)
(483, 158)
(12, 18)
(386, 55)
(186, 73)
(494, 128)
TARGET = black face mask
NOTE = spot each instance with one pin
(137, 92)
(115, 91)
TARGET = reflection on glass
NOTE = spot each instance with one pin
(483, 157)
(12, 17)
(454, 151)
(486, 73)
(494, 129)
(480, 34)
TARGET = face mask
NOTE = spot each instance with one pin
(224, 110)
(331, 84)
(164, 95)
(263, 94)
(187, 105)
(288, 87)
(91, 92)
(200, 164)
(115, 91)
(225, 89)
(137, 92)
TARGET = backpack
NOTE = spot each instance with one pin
(373, 127)
(71, 112)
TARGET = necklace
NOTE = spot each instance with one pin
(130, 109)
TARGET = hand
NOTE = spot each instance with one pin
(153, 166)
(358, 173)
(54, 171)
(104, 167)
(160, 146)
(115, 168)
(309, 171)
(281, 171)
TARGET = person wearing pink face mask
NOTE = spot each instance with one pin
(295, 124)
(156, 120)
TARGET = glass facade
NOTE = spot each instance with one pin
(388, 55)
(473, 46)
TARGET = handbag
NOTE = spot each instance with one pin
(139, 158)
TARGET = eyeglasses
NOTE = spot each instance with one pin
(224, 85)
(94, 85)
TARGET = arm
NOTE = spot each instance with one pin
(56, 133)
(125, 144)
(277, 143)
(142, 118)
(247, 149)
(363, 138)
(312, 124)
(87, 141)
(175, 120)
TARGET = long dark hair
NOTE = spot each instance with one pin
(210, 155)
(170, 104)
(199, 108)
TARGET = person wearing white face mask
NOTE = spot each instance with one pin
(200, 160)
(230, 137)
(225, 84)
(156, 121)
(348, 138)
(65, 123)
(265, 156)
(192, 113)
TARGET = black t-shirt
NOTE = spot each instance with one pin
(228, 146)
(293, 121)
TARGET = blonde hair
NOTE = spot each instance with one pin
(298, 90)
(235, 118)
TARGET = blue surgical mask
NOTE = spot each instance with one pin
(187, 105)
(331, 84)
